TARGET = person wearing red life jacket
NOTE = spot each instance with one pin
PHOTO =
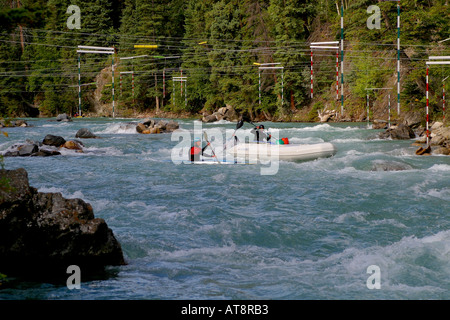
(196, 150)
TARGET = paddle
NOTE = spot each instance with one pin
(238, 125)
(247, 119)
(206, 138)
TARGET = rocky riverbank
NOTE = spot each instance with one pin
(41, 234)
(438, 137)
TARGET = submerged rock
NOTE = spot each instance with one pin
(17, 123)
(389, 166)
(44, 233)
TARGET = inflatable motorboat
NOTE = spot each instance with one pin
(287, 152)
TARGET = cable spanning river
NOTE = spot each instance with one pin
(310, 231)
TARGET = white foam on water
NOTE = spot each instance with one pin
(119, 128)
(349, 140)
(399, 263)
(57, 124)
(51, 190)
(74, 195)
(355, 215)
(326, 128)
(307, 140)
(443, 194)
(440, 167)
(218, 122)
(100, 151)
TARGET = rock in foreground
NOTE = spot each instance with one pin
(44, 233)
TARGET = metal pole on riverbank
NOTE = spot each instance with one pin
(79, 85)
(263, 66)
(398, 57)
(443, 99)
(428, 63)
(324, 46)
(99, 50)
(181, 80)
(311, 73)
(342, 58)
(282, 77)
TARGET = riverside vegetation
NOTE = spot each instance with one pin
(215, 43)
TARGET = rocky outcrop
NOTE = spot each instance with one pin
(439, 140)
(151, 126)
(225, 113)
(413, 119)
(44, 233)
(13, 123)
(400, 132)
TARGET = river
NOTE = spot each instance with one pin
(313, 230)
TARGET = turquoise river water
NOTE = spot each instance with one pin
(312, 230)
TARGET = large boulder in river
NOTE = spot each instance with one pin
(85, 133)
(151, 126)
(63, 117)
(55, 141)
(401, 132)
(72, 145)
(43, 233)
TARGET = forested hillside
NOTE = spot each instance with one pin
(217, 46)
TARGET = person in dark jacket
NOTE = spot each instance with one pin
(196, 150)
(260, 135)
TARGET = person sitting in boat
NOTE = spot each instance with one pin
(260, 135)
(196, 150)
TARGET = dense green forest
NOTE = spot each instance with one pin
(217, 46)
